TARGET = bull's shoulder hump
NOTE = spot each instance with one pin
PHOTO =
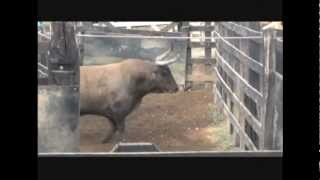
(137, 62)
(98, 67)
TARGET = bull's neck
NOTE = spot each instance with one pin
(142, 85)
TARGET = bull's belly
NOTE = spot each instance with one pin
(94, 107)
(120, 109)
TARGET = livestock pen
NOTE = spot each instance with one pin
(199, 117)
(250, 83)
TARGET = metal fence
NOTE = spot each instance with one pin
(206, 44)
(249, 84)
(248, 70)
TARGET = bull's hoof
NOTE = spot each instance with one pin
(107, 140)
(110, 140)
(115, 138)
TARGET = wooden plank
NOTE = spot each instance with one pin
(206, 61)
(274, 115)
(236, 124)
(107, 25)
(268, 89)
(168, 27)
(63, 54)
(254, 65)
(184, 27)
(201, 28)
(42, 81)
(207, 50)
(243, 84)
(202, 44)
(42, 68)
(43, 47)
(199, 61)
(124, 24)
(103, 30)
(241, 31)
(278, 76)
(256, 125)
(277, 134)
(58, 119)
(279, 46)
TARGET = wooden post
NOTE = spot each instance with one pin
(269, 67)
(180, 26)
(87, 24)
(81, 42)
(63, 55)
(58, 102)
(207, 50)
(186, 28)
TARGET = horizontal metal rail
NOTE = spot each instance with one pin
(238, 50)
(242, 31)
(244, 27)
(252, 92)
(257, 126)
(43, 73)
(43, 66)
(44, 35)
(235, 122)
(238, 56)
(162, 37)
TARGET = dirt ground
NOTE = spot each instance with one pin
(174, 122)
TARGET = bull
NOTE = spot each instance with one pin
(115, 90)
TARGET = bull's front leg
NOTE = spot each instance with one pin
(120, 109)
(118, 132)
(121, 131)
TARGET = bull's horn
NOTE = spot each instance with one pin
(163, 55)
(167, 62)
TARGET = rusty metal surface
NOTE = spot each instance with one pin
(58, 115)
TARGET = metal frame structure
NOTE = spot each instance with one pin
(250, 90)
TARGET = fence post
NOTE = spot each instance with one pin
(58, 103)
(185, 27)
(63, 55)
(269, 66)
(81, 42)
(208, 47)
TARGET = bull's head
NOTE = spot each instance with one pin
(164, 79)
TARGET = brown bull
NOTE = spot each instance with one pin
(115, 90)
